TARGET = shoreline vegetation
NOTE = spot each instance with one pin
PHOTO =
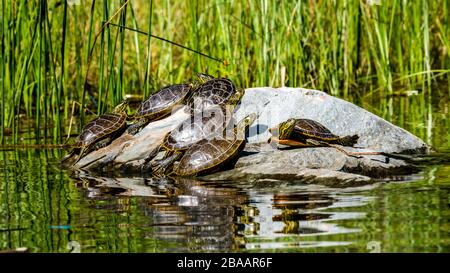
(57, 56)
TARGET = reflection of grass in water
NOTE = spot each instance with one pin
(345, 48)
(424, 116)
(401, 217)
(35, 196)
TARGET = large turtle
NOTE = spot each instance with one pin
(211, 155)
(207, 124)
(99, 132)
(307, 132)
(159, 105)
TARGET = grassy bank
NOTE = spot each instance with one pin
(347, 48)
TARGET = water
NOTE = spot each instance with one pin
(47, 209)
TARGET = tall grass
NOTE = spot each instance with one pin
(347, 48)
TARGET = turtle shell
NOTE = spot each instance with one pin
(212, 92)
(312, 129)
(209, 155)
(100, 128)
(163, 101)
(207, 125)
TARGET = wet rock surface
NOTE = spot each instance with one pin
(324, 165)
(263, 162)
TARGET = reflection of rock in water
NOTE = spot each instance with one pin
(190, 215)
(200, 215)
(187, 214)
(296, 208)
(299, 213)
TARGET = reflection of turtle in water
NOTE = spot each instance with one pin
(307, 133)
(160, 105)
(99, 132)
(211, 155)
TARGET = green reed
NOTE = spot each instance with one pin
(55, 54)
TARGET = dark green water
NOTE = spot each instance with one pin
(43, 208)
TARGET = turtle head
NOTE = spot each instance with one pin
(237, 96)
(246, 122)
(121, 107)
(202, 78)
(284, 129)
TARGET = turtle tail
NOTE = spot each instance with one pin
(349, 140)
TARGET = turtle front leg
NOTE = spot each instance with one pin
(70, 155)
(80, 155)
(290, 142)
(101, 144)
(166, 155)
(164, 166)
(136, 127)
(86, 150)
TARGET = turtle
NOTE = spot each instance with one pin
(99, 132)
(208, 124)
(210, 91)
(159, 105)
(307, 132)
(211, 155)
(296, 132)
(213, 120)
(200, 94)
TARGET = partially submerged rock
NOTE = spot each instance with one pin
(327, 166)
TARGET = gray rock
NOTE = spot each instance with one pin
(278, 172)
(326, 166)
(375, 166)
(341, 117)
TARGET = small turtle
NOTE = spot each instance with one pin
(310, 133)
(100, 132)
(211, 155)
(159, 105)
(307, 132)
(211, 91)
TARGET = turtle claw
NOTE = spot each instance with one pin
(164, 166)
(133, 129)
(159, 169)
